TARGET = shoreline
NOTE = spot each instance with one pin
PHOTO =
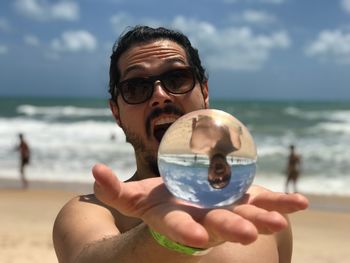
(323, 202)
(74, 186)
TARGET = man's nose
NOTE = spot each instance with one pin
(160, 96)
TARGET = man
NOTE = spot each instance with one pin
(24, 155)
(155, 77)
(293, 169)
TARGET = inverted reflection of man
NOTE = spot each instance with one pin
(215, 140)
(219, 172)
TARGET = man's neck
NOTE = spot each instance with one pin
(139, 176)
(144, 170)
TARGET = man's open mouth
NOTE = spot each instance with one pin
(161, 127)
(219, 170)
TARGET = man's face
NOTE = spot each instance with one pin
(219, 172)
(144, 124)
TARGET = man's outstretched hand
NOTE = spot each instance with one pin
(259, 211)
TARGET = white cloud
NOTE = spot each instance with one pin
(3, 49)
(231, 48)
(44, 10)
(65, 11)
(200, 30)
(4, 25)
(258, 17)
(31, 40)
(121, 21)
(74, 41)
(331, 46)
(345, 4)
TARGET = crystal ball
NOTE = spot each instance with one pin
(207, 158)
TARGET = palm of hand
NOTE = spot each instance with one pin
(260, 211)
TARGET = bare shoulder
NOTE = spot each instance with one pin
(84, 219)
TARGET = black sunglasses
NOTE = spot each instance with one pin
(139, 90)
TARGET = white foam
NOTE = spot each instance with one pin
(293, 111)
(63, 111)
(311, 184)
(331, 115)
(339, 115)
(65, 149)
(333, 127)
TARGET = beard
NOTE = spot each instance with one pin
(148, 156)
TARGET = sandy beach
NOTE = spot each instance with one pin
(321, 234)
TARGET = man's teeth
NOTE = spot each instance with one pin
(165, 120)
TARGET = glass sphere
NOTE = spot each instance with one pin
(208, 158)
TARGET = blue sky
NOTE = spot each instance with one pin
(252, 49)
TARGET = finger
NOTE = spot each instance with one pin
(226, 226)
(107, 186)
(132, 198)
(266, 222)
(283, 203)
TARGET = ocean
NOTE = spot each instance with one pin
(68, 136)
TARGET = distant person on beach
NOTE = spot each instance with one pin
(156, 76)
(24, 153)
(293, 169)
(112, 137)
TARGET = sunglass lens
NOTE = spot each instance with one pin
(136, 90)
(179, 81)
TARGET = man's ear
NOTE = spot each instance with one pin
(115, 111)
(205, 92)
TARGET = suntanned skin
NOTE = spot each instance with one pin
(87, 230)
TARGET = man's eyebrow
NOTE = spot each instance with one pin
(167, 62)
(133, 67)
(175, 60)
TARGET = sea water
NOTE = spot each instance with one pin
(68, 136)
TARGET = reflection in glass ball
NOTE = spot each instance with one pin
(208, 158)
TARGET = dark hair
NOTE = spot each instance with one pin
(141, 34)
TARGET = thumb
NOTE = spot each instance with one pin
(107, 186)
